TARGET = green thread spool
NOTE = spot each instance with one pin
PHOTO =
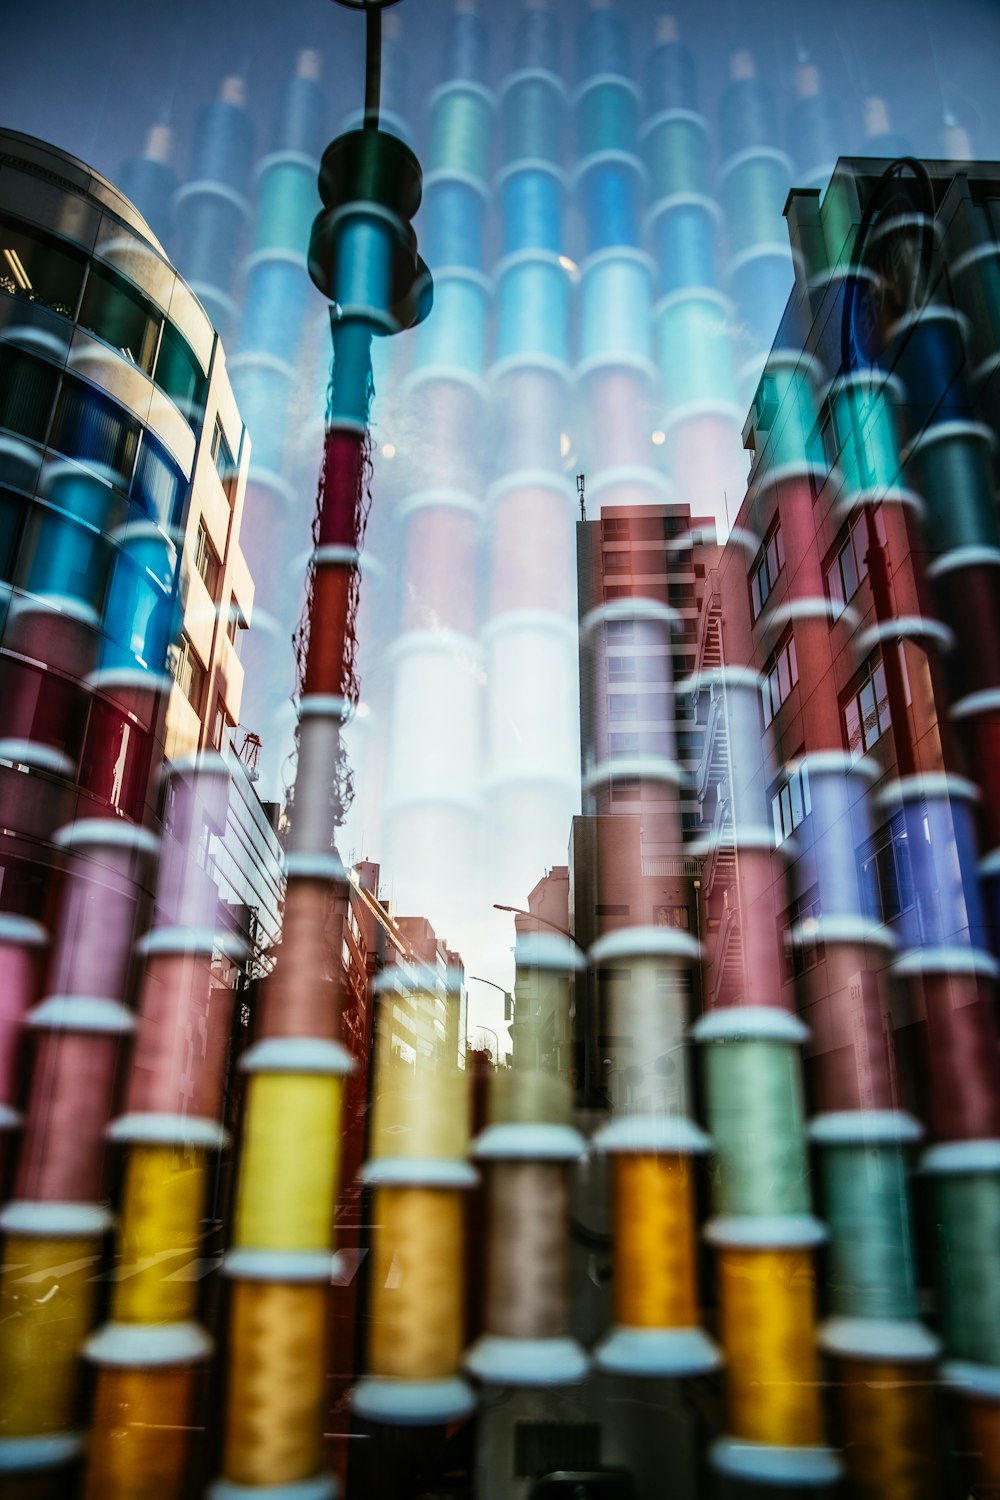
(528, 1097)
(461, 125)
(753, 189)
(968, 1233)
(863, 434)
(675, 149)
(287, 203)
(793, 437)
(952, 465)
(871, 1272)
(976, 278)
(534, 118)
(755, 1119)
(607, 117)
(838, 218)
(693, 332)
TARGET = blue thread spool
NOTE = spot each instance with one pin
(531, 210)
(533, 307)
(670, 78)
(455, 338)
(150, 183)
(675, 150)
(465, 46)
(607, 116)
(951, 463)
(68, 556)
(461, 127)
(684, 230)
(976, 279)
(929, 357)
(538, 38)
(696, 353)
(871, 1269)
(286, 188)
(760, 283)
(278, 298)
(211, 207)
(452, 225)
(754, 187)
(603, 44)
(301, 123)
(615, 315)
(747, 116)
(610, 188)
(141, 607)
(940, 829)
(264, 388)
(223, 141)
(838, 824)
(815, 135)
(533, 117)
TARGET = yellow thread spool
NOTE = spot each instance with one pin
(890, 1430)
(655, 1281)
(417, 1287)
(768, 1334)
(46, 1311)
(420, 1110)
(288, 1176)
(136, 1448)
(161, 1211)
(277, 1382)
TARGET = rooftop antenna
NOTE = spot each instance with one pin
(580, 479)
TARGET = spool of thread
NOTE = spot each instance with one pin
(871, 1268)
(951, 468)
(538, 35)
(417, 1280)
(440, 552)
(676, 152)
(461, 128)
(456, 338)
(753, 191)
(149, 182)
(966, 597)
(929, 357)
(277, 1383)
(530, 520)
(815, 130)
(266, 391)
(160, 1219)
(69, 1109)
(696, 352)
(453, 225)
(607, 116)
(890, 1429)
(524, 1096)
(47, 1301)
(133, 1452)
(610, 193)
(603, 42)
(938, 813)
(965, 1072)
(968, 1220)
(747, 114)
(466, 41)
(531, 211)
(863, 433)
(533, 308)
(761, 284)
(670, 71)
(530, 408)
(180, 1001)
(301, 119)
(655, 1277)
(767, 1319)
(684, 233)
(533, 117)
(288, 1177)
(419, 1111)
(755, 1109)
(279, 294)
(22, 942)
(528, 1254)
(982, 1426)
(615, 318)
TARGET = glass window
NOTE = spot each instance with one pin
(617, 562)
(780, 677)
(621, 668)
(849, 567)
(178, 373)
(119, 314)
(653, 668)
(865, 710)
(89, 425)
(13, 511)
(622, 706)
(624, 744)
(790, 803)
(766, 570)
(189, 673)
(39, 268)
(206, 559)
(620, 630)
(157, 483)
(27, 394)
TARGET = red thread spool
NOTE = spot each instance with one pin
(440, 569)
(963, 1063)
(296, 1001)
(71, 1104)
(532, 551)
(183, 1037)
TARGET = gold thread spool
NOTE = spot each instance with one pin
(288, 1176)
(161, 1210)
(890, 1428)
(982, 1425)
(277, 1382)
(417, 1283)
(768, 1334)
(655, 1278)
(528, 1264)
(137, 1448)
(46, 1311)
(420, 1110)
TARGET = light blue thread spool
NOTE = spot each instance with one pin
(365, 237)
(695, 351)
(760, 281)
(837, 826)
(452, 224)
(939, 816)
(755, 1118)
(871, 1270)
(286, 202)
(455, 337)
(684, 230)
(615, 316)
(531, 203)
(279, 295)
(461, 126)
(610, 187)
(607, 116)
(862, 436)
(603, 44)
(67, 552)
(675, 150)
(793, 437)
(140, 617)
(753, 188)
(264, 388)
(533, 307)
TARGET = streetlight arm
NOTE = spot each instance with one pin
(520, 911)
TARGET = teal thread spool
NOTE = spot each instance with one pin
(793, 438)
(968, 1234)
(675, 150)
(533, 114)
(871, 1271)
(976, 278)
(455, 338)
(286, 201)
(695, 350)
(140, 609)
(951, 463)
(753, 188)
(755, 1118)
(607, 116)
(461, 126)
(533, 307)
(863, 442)
(615, 316)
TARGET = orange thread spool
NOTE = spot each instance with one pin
(417, 1283)
(655, 1281)
(136, 1446)
(890, 1424)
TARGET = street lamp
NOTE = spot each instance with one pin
(520, 911)
(508, 998)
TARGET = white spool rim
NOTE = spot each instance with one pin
(243, 1263)
(660, 1134)
(548, 950)
(972, 1379)
(146, 1346)
(91, 1013)
(644, 942)
(765, 1232)
(412, 1171)
(160, 1128)
(850, 929)
(106, 833)
(963, 557)
(412, 1403)
(58, 1220)
(46, 1451)
(767, 1463)
(946, 959)
(527, 1362)
(22, 932)
(666, 1353)
(201, 941)
(879, 1339)
(946, 432)
(865, 1127)
(297, 1054)
(539, 1140)
(37, 757)
(906, 628)
(321, 1487)
(750, 1023)
(962, 1158)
